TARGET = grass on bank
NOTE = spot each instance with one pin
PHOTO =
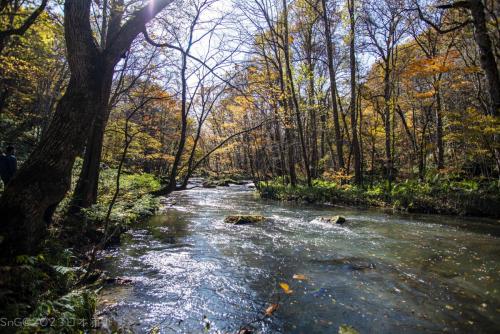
(444, 195)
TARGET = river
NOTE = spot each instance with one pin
(186, 271)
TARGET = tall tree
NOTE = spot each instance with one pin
(43, 180)
(333, 86)
(358, 174)
(293, 93)
(384, 26)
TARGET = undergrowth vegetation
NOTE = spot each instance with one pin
(53, 301)
(134, 199)
(56, 297)
(436, 194)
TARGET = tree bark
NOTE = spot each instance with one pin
(387, 122)
(312, 109)
(439, 129)
(358, 175)
(487, 57)
(85, 193)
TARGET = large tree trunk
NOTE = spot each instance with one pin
(85, 193)
(487, 57)
(44, 179)
(488, 63)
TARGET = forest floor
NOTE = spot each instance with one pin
(450, 197)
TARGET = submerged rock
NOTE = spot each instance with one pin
(218, 183)
(240, 182)
(223, 183)
(119, 281)
(352, 263)
(334, 220)
(244, 219)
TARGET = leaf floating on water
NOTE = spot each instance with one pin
(154, 330)
(271, 309)
(299, 277)
(346, 329)
(286, 288)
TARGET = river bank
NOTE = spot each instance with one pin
(463, 198)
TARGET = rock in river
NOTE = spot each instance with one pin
(352, 263)
(244, 220)
(208, 184)
(334, 220)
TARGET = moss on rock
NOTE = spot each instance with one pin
(244, 219)
(334, 220)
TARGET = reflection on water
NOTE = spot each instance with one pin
(379, 273)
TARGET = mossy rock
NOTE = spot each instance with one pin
(223, 183)
(208, 184)
(345, 329)
(334, 220)
(244, 219)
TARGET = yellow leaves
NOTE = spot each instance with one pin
(235, 108)
(286, 288)
(473, 127)
(299, 277)
(425, 95)
(337, 176)
(471, 69)
(430, 66)
(271, 309)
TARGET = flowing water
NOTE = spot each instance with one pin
(379, 273)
